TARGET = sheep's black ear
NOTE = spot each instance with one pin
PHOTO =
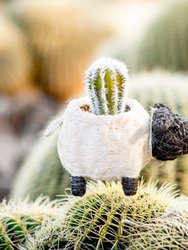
(169, 133)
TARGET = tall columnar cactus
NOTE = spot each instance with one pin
(104, 219)
(15, 61)
(107, 85)
(164, 45)
(20, 219)
(60, 34)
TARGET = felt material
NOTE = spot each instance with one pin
(104, 147)
(169, 133)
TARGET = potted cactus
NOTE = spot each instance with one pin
(101, 133)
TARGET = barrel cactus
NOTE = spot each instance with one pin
(60, 34)
(165, 43)
(15, 65)
(104, 218)
(20, 219)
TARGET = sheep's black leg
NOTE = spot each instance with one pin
(130, 185)
(78, 185)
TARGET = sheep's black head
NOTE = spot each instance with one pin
(169, 133)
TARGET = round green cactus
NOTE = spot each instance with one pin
(103, 218)
(107, 83)
(164, 46)
(20, 219)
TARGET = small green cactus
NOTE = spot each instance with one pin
(20, 219)
(107, 84)
(99, 219)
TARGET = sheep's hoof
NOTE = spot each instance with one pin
(130, 185)
(78, 185)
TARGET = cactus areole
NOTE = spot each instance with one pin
(105, 136)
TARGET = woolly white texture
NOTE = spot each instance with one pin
(98, 69)
(104, 147)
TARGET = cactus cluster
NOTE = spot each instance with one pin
(104, 218)
(15, 65)
(60, 35)
(164, 45)
(107, 86)
(20, 219)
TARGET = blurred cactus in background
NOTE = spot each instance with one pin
(43, 163)
(164, 46)
(15, 61)
(41, 173)
(62, 36)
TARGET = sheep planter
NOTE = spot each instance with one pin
(107, 136)
(104, 147)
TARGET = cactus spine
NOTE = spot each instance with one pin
(99, 220)
(20, 219)
(106, 82)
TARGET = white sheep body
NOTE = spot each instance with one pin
(104, 147)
